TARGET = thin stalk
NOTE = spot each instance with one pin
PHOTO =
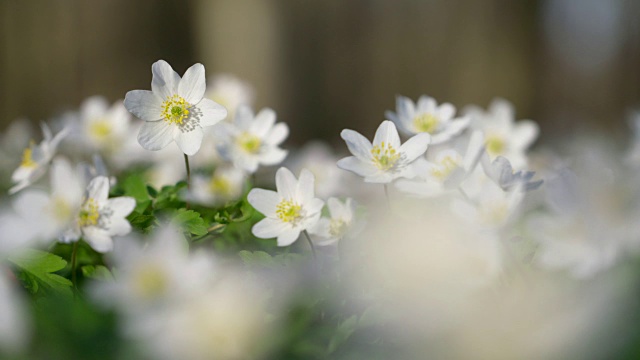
(313, 249)
(74, 253)
(186, 163)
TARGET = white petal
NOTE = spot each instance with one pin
(243, 117)
(121, 206)
(336, 208)
(30, 202)
(314, 206)
(119, 226)
(189, 141)
(415, 147)
(288, 237)
(278, 134)
(211, 112)
(357, 166)
(286, 183)
(263, 122)
(66, 182)
(388, 134)
(144, 105)
(192, 85)
(446, 111)
(265, 201)
(524, 134)
(93, 107)
(306, 183)
(98, 189)
(155, 135)
(98, 239)
(269, 228)
(273, 156)
(358, 145)
(165, 81)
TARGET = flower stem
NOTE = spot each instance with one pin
(186, 163)
(313, 249)
(74, 253)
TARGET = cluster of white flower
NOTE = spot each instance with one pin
(425, 231)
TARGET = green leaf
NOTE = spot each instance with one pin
(190, 221)
(141, 222)
(135, 187)
(343, 333)
(256, 258)
(99, 272)
(36, 271)
(168, 197)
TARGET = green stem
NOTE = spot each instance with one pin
(313, 249)
(186, 163)
(74, 253)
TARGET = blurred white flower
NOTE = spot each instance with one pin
(319, 158)
(230, 92)
(502, 135)
(501, 172)
(289, 211)
(100, 218)
(175, 109)
(253, 140)
(386, 159)
(491, 207)
(227, 183)
(36, 159)
(445, 172)
(427, 116)
(102, 127)
(14, 327)
(341, 222)
(12, 141)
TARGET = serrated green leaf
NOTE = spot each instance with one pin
(190, 221)
(141, 222)
(37, 268)
(168, 198)
(99, 272)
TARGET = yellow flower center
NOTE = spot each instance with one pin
(175, 109)
(337, 227)
(288, 211)
(27, 160)
(384, 156)
(60, 208)
(495, 144)
(220, 185)
(100, 129)
(150, 281)
(426, 123)
(249, 143)
(447, 165)
(89, 214)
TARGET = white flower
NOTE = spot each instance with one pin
(445, 172)
(501, 172)
(100, 218)
(230, 92)
(251, 140)
(385, 160)
(36, 159)
(12, 141)
(14, 327)
(290, 210)
(502, 135)
(175, 109)
(491, 207)
(427, 116)
(226, 184)
(340, 223)
(318, 157)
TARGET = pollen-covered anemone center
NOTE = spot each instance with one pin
(89, 213)
(426, 122)
(100, 129)
(27, 158)
(249, 143)
(337, 227)
(495, 144)
(385, 156)
(175, 109)
(445, 167)
(220, 185)
(288, 211)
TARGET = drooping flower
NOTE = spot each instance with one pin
(386, 159)
(226, 183)
(426, 116)
(501, 172)
(100, 218)
(341, 222)
(253, 140)
(36, 159)
(175, 109)
(289, 211)
(502, 135)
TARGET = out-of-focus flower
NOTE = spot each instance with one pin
(289, 211)
(427, 116)
(226, 183)
(341, 222)
(386, 159)
(230, 92)
(501, 172)
(14, 327)
(175, 109)
(100, 218)
(502, 135)
(36, 159)
(491, 206)
(319, 158)
(446, 172)
(253, 140)
(12, 141)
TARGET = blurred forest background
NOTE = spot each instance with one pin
(324, 65)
